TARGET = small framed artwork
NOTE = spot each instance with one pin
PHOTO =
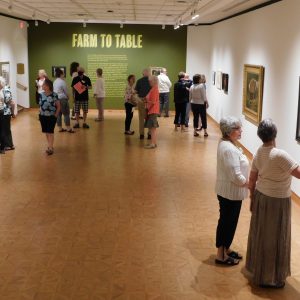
(253, 84)
(5, 71)
(219, 80)
(20, 69)
(213, 77)
(63, 68)
(225, 81)
(298, 117)
(155, 70)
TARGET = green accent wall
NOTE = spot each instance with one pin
(51, 45)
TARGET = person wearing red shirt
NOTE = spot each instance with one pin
(152, 108)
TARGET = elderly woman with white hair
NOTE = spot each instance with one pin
(6, 112)
(231, 188)
(42, 75)
(269, 241)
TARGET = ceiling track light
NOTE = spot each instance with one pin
(48, 21)
(163, 26)
(36, 23)
(195, 16)
(176, 26)
(84, 24)
(121, 25)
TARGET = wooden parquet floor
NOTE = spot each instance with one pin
(104, 218)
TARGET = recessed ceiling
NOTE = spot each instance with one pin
(168, 12)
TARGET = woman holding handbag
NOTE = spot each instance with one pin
(130, 103)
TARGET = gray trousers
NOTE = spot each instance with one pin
(65, 111)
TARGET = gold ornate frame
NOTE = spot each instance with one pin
(254, 113)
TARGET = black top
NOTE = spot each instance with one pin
(181, 92)
(84, 96)
(143, 87)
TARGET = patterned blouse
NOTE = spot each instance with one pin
(5, 100)
(129, 91)
(47, 104)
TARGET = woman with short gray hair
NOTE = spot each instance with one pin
(231, 188)
(269, 241)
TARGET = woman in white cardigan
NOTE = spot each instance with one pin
(231, 188)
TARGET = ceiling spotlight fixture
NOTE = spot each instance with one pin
(176, 26)
(36, 23)
(48, 21)
(121, 25)
(163, 26)
(84, 24)
(194, 17)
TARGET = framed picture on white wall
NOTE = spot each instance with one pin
(219, 80)
(298, 117)
(253, 92)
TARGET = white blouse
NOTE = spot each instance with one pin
(99, 89)
(232, 171)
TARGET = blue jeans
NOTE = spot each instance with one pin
(164, 103)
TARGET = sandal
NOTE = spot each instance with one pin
(235, 255)
(71, 131)
(49, 151)
(62, 130)
(229, 261)
(196, 133)
(206, 134)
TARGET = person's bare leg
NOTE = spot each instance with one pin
(153, 136)
(220, 253)
(77, 117)
(50, 140)
(84, 117)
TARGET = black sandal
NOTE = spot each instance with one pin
(235, 255)
(229, 261)
(62, 130)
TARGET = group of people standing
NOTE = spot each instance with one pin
(187, 94)
(269, 241)
(53, 99)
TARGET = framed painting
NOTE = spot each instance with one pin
(5, 71)
(155, 70)
(213, 77)
(298, 117)
(225, 81)
(63, 68)
(219, 80)
(253, 85)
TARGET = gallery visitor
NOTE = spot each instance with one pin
(130, 99)
(7, 108)
(199, 104)
(60, 88)
(231, 188)
(181, 98)
(42, 75)
(74, 73)
(81, 84)
(269, 241)
(188, 83)
(142, 88)
(164, 85)
(152, 106)
(99, 94)
(49, 111)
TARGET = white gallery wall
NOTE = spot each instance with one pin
(14, 49)
(269, 37)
